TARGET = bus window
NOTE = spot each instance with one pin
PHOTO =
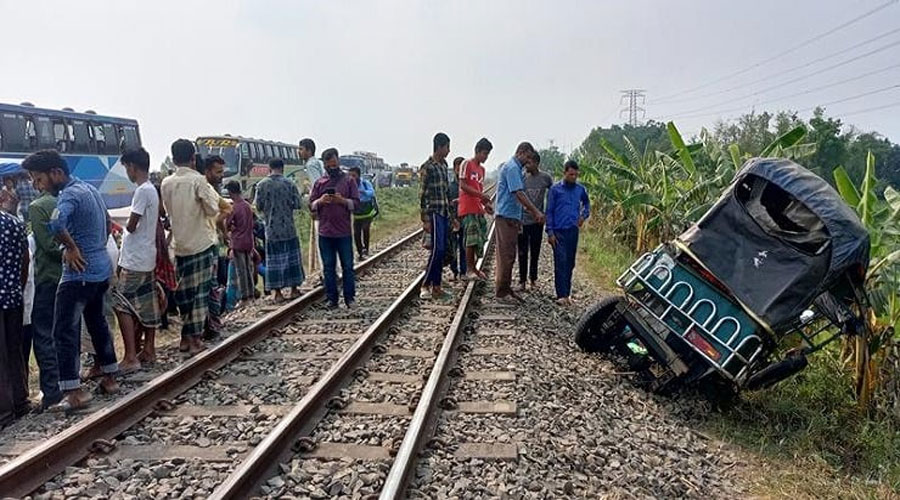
(131, 137)
(245, 150)
(269, 153)
(82, 142)
(12, 132)
(45, 133)
(279, 152)
(256, 149)
(61, 136)
(30, 134)
(111, 140)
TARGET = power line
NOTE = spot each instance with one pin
(790, 70)
(869, 110)
(796, 94)
(786, 52)
(838, 101)
(797, 79)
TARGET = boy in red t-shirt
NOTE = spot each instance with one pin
(473, 204)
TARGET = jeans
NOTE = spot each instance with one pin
(74, 300)
(435, 264)
(530, 251)
(458, 263)
(43, 343)
(564, 260)
(333, 249)
(362, 234)
(507, 234)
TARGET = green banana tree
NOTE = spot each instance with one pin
(868, 353)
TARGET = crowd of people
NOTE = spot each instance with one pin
(64, 278)
(454, 206)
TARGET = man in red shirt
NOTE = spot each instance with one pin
(473, 204)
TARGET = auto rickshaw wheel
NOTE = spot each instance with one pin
(721, 393)
(599, 326)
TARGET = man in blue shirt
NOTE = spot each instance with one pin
(508, 217)
(568, 207)
(81, 225)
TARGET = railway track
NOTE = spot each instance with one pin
(254, 373)
(356, 390)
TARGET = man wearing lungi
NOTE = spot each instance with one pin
(277, 198)
(135, 295)
(190, 201)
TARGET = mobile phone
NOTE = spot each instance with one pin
(329, 191)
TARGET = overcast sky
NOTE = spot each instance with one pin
(384, 76)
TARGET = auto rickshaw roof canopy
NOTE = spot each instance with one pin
(778, 237)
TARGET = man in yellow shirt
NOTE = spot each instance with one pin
(190, 201)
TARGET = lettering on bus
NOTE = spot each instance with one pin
(217, 142)
(259, 171)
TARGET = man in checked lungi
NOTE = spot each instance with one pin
(277, 198)
(135, 295)
(190, 201)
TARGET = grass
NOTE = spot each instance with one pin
(803, 438)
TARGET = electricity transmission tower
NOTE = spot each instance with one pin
(633, 109)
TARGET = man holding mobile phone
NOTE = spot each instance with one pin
(334, 198)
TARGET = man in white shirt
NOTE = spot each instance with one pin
(315, 170)
(190, 202)
(134, 298)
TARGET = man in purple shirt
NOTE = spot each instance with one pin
(334, 198)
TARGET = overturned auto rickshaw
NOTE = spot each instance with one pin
(774, 271)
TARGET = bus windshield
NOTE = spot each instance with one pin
(227, 149)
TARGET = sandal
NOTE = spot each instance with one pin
(109, 387)
(67, 406)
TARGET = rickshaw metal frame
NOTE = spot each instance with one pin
(638, 272)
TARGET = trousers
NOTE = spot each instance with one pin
(530, 251)
(507, 233)
(564, 260)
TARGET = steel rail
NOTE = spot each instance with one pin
(423, 421)
(264, 460)
(277, 446)
(29, 471)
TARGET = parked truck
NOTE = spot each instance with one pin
(404, 175)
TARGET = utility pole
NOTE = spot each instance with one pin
(633, 109)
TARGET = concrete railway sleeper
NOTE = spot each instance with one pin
(214, 407)
(376, 404)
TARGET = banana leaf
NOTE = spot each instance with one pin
(683, 152)
(785, 140)
(845, 187)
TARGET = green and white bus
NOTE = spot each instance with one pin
(247, 159)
